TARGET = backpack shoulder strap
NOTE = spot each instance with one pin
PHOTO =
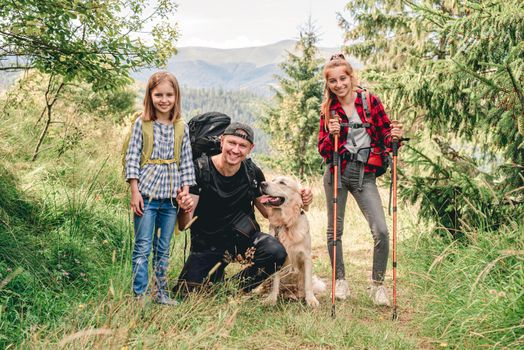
(147, 145)
(178, 134)
(365, 101)
(147, 142)
(250, 169)
(203, 172)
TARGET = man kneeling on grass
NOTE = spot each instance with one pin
(227, 190)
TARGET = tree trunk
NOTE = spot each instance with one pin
(48, 108)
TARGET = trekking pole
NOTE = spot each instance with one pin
(335, 202)
(394, 146)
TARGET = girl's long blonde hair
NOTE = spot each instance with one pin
(149, 108)
(336, 60)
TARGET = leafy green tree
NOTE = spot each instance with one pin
(93, 41)
(293, 122)
(453, 72)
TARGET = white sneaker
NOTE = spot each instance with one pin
(341, 289)
(379, 295)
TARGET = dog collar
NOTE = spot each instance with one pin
(277, 232)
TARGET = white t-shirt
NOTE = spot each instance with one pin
(361, 139)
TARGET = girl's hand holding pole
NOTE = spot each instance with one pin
(396, 130)
(334, 125)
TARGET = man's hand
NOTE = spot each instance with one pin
(307, 197)
(184, 199)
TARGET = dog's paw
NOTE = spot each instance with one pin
(270, 300)
(312, 301)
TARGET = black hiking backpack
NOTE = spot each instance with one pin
(204, 132)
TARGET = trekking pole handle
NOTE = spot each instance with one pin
(395, 142)
(335, 152)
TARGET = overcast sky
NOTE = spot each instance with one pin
(241, 23)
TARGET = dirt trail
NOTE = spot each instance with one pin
(358, 262)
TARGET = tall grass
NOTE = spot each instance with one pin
(66, 238)
(471, 296)
(109, 317)
(61, 244)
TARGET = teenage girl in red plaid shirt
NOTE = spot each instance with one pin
(361, 141)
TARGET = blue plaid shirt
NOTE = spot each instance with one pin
(160, 180)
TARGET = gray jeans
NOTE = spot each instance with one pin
(370, 204)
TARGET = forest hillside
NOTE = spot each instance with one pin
(451, 72)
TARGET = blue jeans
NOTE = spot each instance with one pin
(155, 226)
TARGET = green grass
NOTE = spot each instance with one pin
(471, 296)
(224, 319)
(75, 255)
(61, 249)
(65, 279)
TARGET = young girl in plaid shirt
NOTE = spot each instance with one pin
(155, 184)
(360, 147)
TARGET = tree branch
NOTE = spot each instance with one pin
(15, 68)
(49, 107)
(516, 86)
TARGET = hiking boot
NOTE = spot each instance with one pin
(341, 289)
(379, 295)
(163, 299)
(140, 299)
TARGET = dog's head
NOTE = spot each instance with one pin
(283, 201)
(280, 190)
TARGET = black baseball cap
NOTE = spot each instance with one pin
(240, 130)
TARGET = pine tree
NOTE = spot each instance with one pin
(293, 122)
(453, 72)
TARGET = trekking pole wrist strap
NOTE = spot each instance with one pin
(394, 146)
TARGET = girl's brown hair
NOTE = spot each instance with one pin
(336, 60)
(153, 82)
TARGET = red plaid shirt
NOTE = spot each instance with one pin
(379, 132)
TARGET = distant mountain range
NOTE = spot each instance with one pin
(250, 68)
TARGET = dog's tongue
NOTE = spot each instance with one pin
(269, 200)
(265, 199)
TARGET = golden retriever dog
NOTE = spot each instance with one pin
(289, 224)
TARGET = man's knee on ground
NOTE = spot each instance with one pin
(276, 251)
